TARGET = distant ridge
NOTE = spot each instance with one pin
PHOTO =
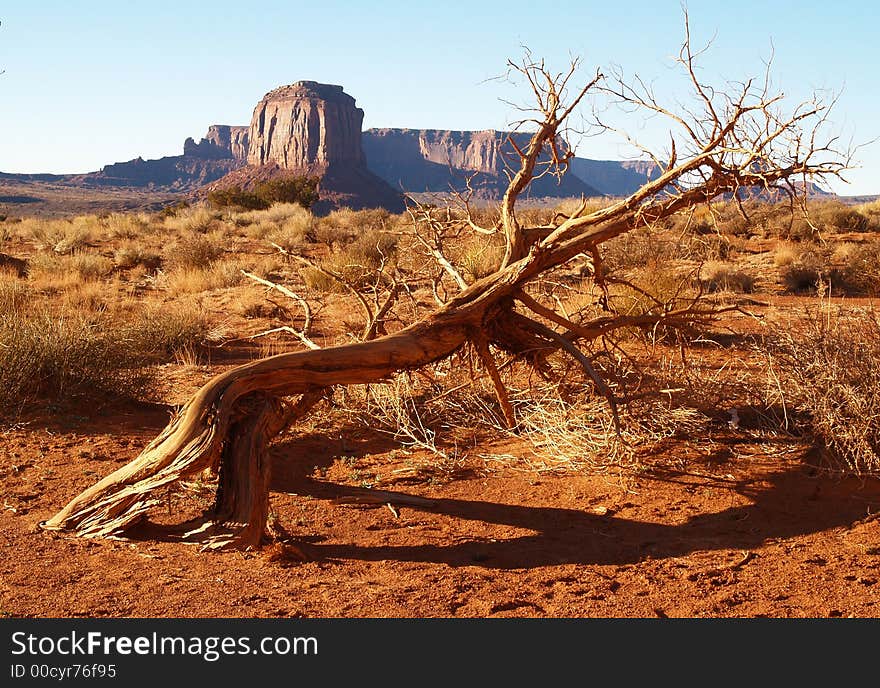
(313, 128)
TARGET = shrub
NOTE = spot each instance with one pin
(861, 269)
(195, 251)
(719, 276)
(60, 236)
(65, 358)
(300, 190)
(828, 366)
(237, 197)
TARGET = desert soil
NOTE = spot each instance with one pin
(741, 526)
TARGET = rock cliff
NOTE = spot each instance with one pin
(221, 141)
(615, 177)
(436, 160)
(306, 124)
(308, 128)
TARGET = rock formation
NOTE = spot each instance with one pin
(615, 177)
(310, 129)
(306, 125)
(437, 160)
(221, 141)
(231, 139)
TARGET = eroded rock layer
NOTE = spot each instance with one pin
(305, 124)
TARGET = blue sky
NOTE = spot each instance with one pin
(94, 82)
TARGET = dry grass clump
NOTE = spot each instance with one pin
(827, 366)
(14, 292)
(345, 224)
(287, 224)
(195, 219)
(722, 276)
(479, 257)
(277, 214)
(860, 273)
(839, 217)
(133, 254)
(570, 430)
(847, 269)
(194, 250)
(872, 212)
(805, 271)
(577, 432)
(61, 236)
(658, 284)
(126, 225)
(783, 220)
(194, 280)
(56, 271)
(66, 357)
(641, 248)
(785, 254)
(163, 331)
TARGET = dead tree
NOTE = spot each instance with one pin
(727, 140)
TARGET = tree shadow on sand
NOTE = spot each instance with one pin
(787, 503)
(790, 502)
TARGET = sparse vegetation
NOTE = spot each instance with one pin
(66, 357)
(300, 190)
(826, 365)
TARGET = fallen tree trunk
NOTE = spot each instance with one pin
(228, 424)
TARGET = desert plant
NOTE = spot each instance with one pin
(805, 271)
(194, 250)
(720, 276)
(60, 236)
(14, 293)
(126, 225)
(356, 263)
(298, 189)
(162, 331)
(195, 219)
(69, 269)
(132, 254)
(301, 190)
(837, 217)
(480, 258)
(67, 357)
(193, 280)
(785, 254)
(826, 365)
(236, 197)
(860, 273)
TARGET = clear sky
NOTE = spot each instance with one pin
(93, 82)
